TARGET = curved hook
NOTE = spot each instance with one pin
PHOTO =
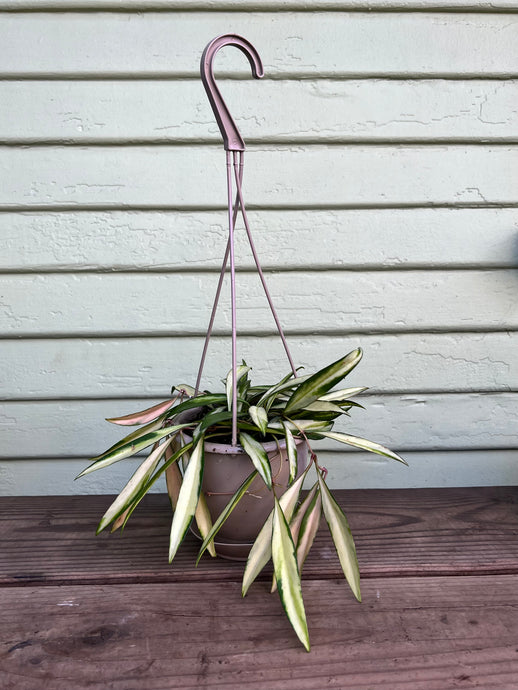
(232, 140)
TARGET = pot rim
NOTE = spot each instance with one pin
(229, 449)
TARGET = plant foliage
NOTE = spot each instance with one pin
(295, 409)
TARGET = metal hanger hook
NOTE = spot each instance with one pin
(232, 139)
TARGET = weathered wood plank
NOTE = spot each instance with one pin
(175, 177)
(138, 367)
(47, 477)
(412, 422)
(177, 304)
(162, 240)
(51, 540)
(440, 633)
(170, 44)
(320, 111)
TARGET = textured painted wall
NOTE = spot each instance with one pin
(381, 176)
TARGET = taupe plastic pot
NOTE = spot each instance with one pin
(226, 468)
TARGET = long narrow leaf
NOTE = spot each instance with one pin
(287, 383)
(259, 416)
(364, 444)
(291, 451)
(129, 492)
(261, 551)
(241, 370)
(202, 516)
(321, 382)
(342, 538)
(258, 456)
(343, 394)
(157, 474)
(296, 520)
(308, 529)
(187, 499)
(227, 510)
(130, 448)
(145, 415)
(287, 575)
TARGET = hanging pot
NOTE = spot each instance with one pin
(226, 468)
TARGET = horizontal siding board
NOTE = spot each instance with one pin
(110, 368)
(25, 477)
(266, 5)
(409, 422)
(170, 44)
(170, 304)
(280, 177)
(190, 240)
(319, 110)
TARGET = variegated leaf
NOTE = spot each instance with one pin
(241, 371)
(130, 448)
(295, 521)
(130, 491)
(291, 451)
(320, 383)
(260, 417)
(187, 498)
(343, 394)
(261, 551)
(364, 444)
(287, 575)
(342, 538)
(258, 456)
(227, 510)
(308, 529)
(145, 415)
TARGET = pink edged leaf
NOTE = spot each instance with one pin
(145, 415)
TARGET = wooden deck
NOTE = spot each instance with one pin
(439, 611)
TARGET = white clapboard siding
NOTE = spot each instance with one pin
(175, 304)
(33, 477)
(305, 44)
(280, 177)
(148, 367)
(278, 5)
(404, 422)
(273, 111)
(193, 240)
(381, 177)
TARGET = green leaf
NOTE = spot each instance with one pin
(241, 371)
(364, 444)
(130, 448)
(198, 401)
(258, 456)
(291, 450)
(145, 415)
(296, 520)
(143, 491)
(187, 499)
(260, 417)
(185, 390)
(211, 419)
(287, 575)
(322, 406)
(342, 538)
(308, 529)
(137, 481)
(284, 384)
(227, 510)
(261, 551)
(341, 395)
(320, 383)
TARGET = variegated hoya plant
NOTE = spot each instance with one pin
(303, 407)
